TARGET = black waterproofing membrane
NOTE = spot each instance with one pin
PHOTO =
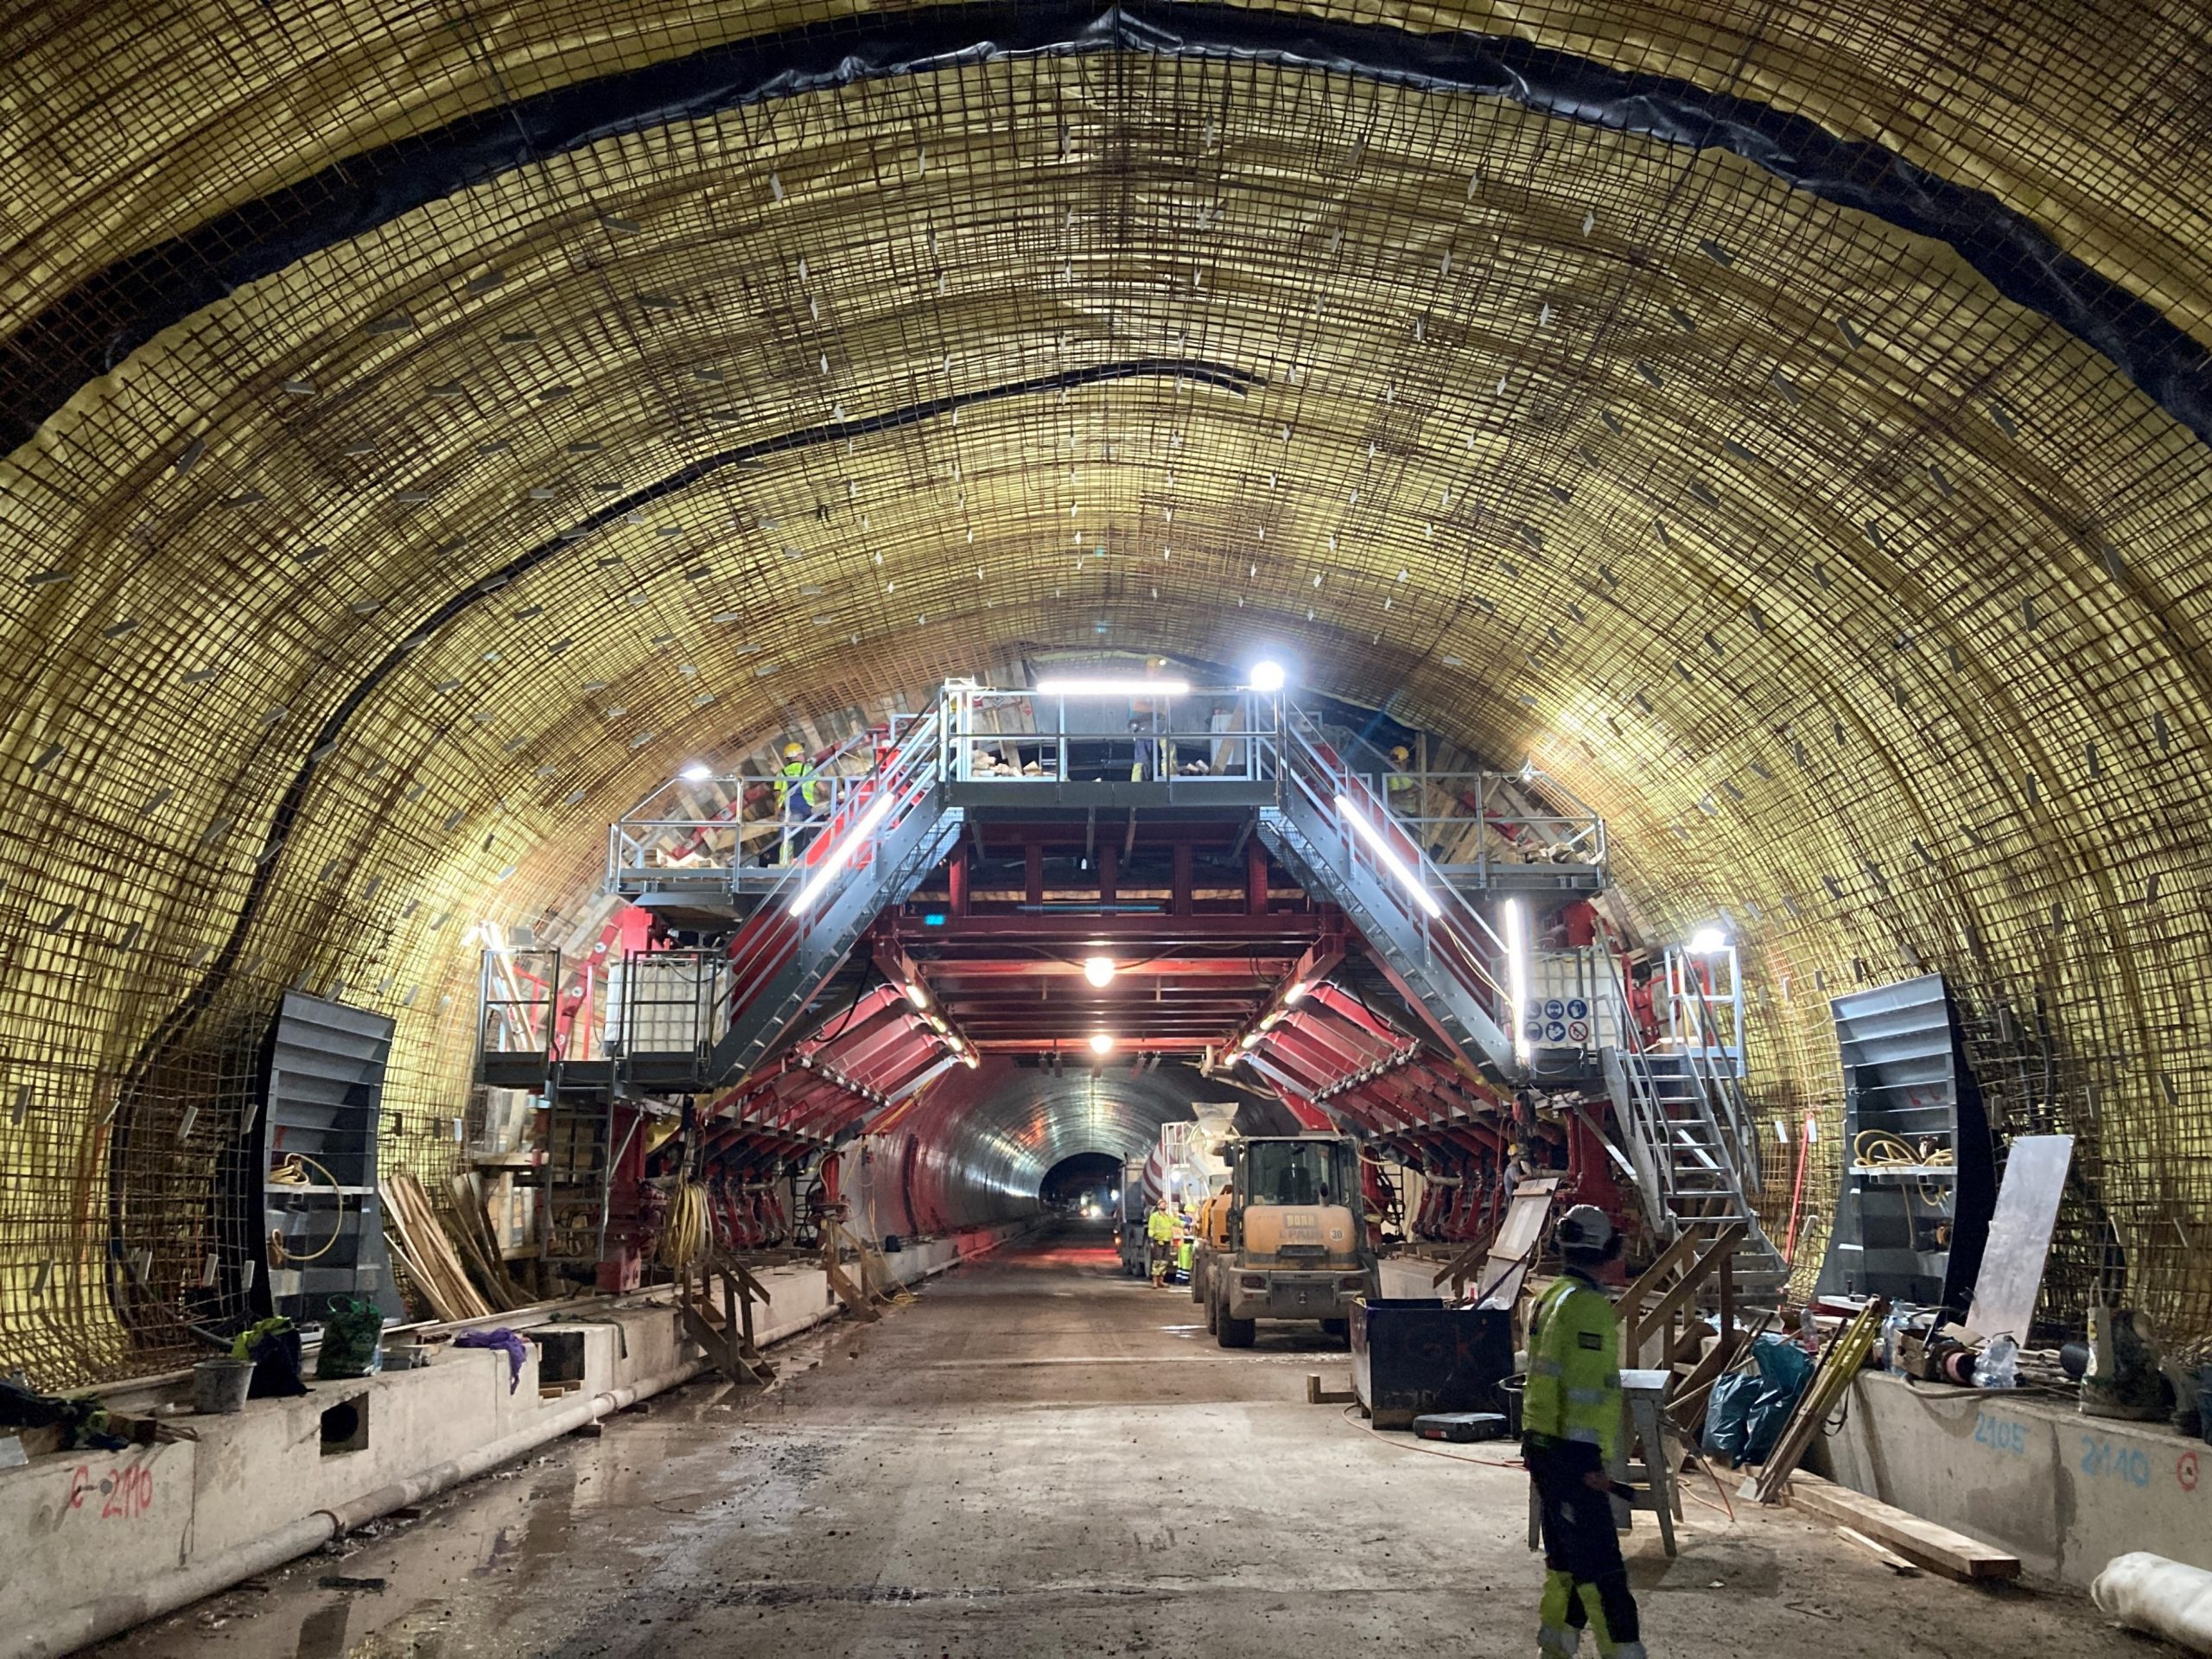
(90, 329)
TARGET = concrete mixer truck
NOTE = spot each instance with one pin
(1184, 1166)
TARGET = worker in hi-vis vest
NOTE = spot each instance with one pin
(1570, 1429)
(794, 798)
(1160, 1232)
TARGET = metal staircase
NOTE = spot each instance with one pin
(888, 833)
(1694, 1145)
(1335, 831)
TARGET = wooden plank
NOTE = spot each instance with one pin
(1937, 1547)
(1888, 1558)
(428, 1249)
(1678, 1295)
(1662, 1264)
(1457, 1267)
(852, 1295)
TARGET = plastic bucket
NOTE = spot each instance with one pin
(219, 1386)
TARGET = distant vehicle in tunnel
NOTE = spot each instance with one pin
(1294, 1247)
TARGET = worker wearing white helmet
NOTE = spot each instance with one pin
(1570, 1429)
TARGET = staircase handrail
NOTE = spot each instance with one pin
(1722, 1090)
(1643, 1095)
(777, 932)
(1458, 934)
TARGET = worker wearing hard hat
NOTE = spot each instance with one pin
(794, 798)
(1570, 1430)
(1159, 1233)
(1401, 788)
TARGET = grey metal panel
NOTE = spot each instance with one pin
(1896, 1235)
(322, 1102)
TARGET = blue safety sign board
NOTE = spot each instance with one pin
(1533, 1030)
(1556, 1033)
(1577, 1008)
(1554, 1009)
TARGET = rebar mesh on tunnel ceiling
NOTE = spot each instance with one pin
(1788, 599)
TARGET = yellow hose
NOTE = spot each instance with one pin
(683, 1236)
(1879, 1149)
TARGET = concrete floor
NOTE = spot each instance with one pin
(1040, 1457)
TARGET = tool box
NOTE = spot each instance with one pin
(1461, 1426)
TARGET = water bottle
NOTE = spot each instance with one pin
(1892, 1333)
(1998, 1364)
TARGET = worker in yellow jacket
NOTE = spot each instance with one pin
(1160, 1231)
(1570, 1431)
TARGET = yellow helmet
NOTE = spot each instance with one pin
(791, 752)
(1402, 754)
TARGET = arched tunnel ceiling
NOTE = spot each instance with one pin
(1865, 602)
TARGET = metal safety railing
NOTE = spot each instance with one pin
(518, 1001)
(723, 828)
(1472, 828)
(1450, 936)
(1189, 739)
(777, 840)
(1478, 824)
(1705, 1003)
(1713, 1053)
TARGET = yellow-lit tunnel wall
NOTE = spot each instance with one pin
(1866, 604)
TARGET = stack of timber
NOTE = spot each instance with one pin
(425, 1247)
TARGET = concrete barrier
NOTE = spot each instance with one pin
(93, 1543)
(2064, 1492)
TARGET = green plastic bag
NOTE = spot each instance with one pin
(353, 1337)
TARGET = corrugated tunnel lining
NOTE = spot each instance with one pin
(1740, 641)
(127, 304)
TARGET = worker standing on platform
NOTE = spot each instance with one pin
(1570, 1431)
(1159, 1233)
(794, 798)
